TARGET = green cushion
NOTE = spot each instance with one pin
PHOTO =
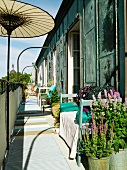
(86, 117)
(68, 106)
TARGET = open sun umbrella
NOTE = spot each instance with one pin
(21, 20)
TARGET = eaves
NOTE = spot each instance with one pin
(63, 10)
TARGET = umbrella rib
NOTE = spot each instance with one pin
(2, 31)
(2, 9)
(15, 33)
(42, 20)
(5, 6)
(25, 30)
(36, 29)
(18, 9)
(12, 6)
(37, 12)
(32, 30)
(20, 31)
(22, 12)
(41, 26)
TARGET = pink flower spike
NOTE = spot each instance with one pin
(113, 123)
(105, 128)
(90, 104)
(115, 102)
(92, 116)
(111, 92)
(116, 94)
(109, 97)
(94, 98)
(99, 95)
(105, 93)
(111, 133)
(96, 129)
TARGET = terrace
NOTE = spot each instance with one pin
(33, 142)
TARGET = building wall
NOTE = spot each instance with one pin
(98, 43)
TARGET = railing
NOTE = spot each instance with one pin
(12, 85)
(15, 95)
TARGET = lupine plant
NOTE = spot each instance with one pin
(112, 110)
(96, 144)
(109, 126)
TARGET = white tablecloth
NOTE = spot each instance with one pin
(69, 131)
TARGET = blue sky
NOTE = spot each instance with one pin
(19, 44)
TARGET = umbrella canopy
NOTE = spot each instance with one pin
(23, 20)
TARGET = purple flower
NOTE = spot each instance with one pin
(113, 123)
(92, 116)
(96, 130)
(105, 129)
(85, 109)
(115, 102)
(111, 92)
(116, 94)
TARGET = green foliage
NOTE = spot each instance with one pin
(13, 77)
(55, 99)
(57, 117)
(114, 113)
(57, 113)
(108, 129)
(96, 144)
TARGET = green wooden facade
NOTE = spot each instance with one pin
(88, 44)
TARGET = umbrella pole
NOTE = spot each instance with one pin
(8, 63)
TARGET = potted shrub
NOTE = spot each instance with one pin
(55, 101)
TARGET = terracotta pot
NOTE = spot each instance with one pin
(36, 94)
(98, 164)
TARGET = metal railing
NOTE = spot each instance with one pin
(12, 85)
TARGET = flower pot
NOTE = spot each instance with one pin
(36, 93)
(118, 161)
(98, 164)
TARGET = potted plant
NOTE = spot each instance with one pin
(55, 101)
(113, 110)
(118, 112)
(96, 145)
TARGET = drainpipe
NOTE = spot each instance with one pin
(121, 49)
(81, 52)
(116, 16)
(97, 43)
